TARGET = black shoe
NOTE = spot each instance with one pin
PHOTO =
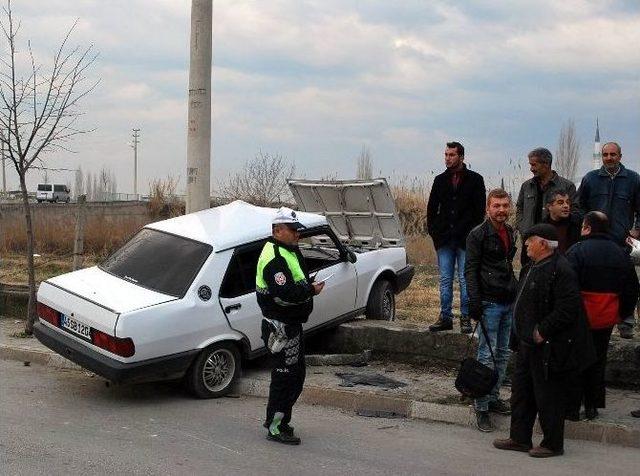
(465, 325)
(283, 438)
(635, 413)
(573, 415)
(590, 413)
(484, 422)
(500, 406)
(443, 324)
(284, 428)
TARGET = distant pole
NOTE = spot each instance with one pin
(136, 141)
(78, 244)
(199, 118)
(4, 172)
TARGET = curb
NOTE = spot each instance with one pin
(350, 400)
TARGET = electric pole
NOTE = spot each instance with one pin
(136, 141)
(199, 118)
(4, 172)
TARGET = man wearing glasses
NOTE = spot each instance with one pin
(614, 190)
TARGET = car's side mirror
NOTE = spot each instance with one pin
(351, 256)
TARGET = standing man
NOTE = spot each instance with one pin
(550, 338)
(559, 215)
(491, 285)
(285, 296)
(609, 288)
(456, 205)
(534, 193)
(614, 190)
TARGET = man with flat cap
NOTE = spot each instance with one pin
(285, 296)
(549, 340)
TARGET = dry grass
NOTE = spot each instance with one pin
(13, 267)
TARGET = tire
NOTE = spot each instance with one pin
(382, 302)
(221, 362)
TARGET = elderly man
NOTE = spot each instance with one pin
(285, 296)
(559, 215)
(456, 205)
(534, 193)
(491, 284)
(549, 338)
(609, 288)
(614, 190)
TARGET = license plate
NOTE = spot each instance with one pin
(76, 327)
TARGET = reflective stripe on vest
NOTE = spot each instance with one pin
(269, 253)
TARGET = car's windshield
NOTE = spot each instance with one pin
(159, 261)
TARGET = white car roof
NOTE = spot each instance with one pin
(229, 225)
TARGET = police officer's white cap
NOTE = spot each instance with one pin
(287, 216)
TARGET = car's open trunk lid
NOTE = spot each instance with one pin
(361, 212)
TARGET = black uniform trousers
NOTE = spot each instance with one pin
(288, 372)
(535, 393)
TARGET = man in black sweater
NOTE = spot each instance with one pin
(456, 205)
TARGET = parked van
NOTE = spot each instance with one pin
(48, 192)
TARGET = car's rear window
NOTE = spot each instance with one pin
(159, 261)
(44, 188)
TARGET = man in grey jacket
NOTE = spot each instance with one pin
(535, 193)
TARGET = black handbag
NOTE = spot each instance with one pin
(476, 379)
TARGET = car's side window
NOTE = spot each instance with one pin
(240, 277)
(319, 251)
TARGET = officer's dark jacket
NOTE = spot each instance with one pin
(549, 300)
(618, 198)
(606, 273)
(453, 212)
(283, 287)
(488, 268)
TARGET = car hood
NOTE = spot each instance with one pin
(361, 212)
(108, 291)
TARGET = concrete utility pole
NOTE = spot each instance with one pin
(199, 122)
(4, 172)
(136, 141)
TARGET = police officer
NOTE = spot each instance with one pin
(285, 296)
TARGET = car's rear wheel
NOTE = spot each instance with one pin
(214, 371)
(382, 301)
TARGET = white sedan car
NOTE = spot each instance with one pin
(178, 299)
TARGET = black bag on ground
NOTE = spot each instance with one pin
(475, 379)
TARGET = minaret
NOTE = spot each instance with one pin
(597, 151)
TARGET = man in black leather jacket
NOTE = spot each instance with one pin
(550, 338)
(491, 286)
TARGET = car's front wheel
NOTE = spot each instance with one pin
(214, 371)
(382, 301)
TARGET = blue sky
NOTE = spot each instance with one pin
(315, 80)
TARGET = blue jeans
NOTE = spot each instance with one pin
(497, 321)
(447, 257)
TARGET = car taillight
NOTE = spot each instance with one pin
(123, 347)
(48, 314)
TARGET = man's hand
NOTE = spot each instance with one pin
(475, 313)
(317, 287)
(635, 233)
(537, 338)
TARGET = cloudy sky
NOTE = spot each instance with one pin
(316, 80)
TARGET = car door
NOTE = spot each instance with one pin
(325, 257)
(238, 293)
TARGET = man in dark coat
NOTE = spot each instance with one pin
(566, 223)
(614, 190)
(609, 287)
(550, 340)
(456, 205)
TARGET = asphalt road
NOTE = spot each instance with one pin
(66, 422)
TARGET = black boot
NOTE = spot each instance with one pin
(443, 324)
(465, 325)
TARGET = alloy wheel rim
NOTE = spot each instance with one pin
(388, 306)
(218, 370)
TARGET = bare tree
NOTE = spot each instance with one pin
(364, 164)
(89, 183)
(568, 151)
(262, 181)
(39, 112)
